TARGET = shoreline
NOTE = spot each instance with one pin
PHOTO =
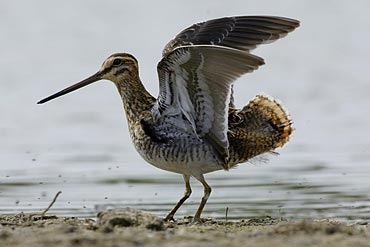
(130, 227)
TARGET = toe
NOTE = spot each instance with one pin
(169, 218)
(197, 221)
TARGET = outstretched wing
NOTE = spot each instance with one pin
(195, 80)
(241, 32)
(199, 66)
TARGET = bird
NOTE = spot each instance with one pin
(193, 127)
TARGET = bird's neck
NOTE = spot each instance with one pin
(136, 99)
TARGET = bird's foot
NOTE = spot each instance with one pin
(169, 218)
(207, 220)
(197, 221)
(191, 220)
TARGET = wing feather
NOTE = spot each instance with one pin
(240, 32)
(199, 79)
(199, 66)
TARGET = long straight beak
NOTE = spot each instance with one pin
(95, 77)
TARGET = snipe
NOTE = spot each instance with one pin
(193, 127)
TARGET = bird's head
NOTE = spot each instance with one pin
(119, 67)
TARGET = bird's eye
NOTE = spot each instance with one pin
(117, 62)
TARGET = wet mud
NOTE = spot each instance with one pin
(129, 227)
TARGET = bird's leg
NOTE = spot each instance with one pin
(182, 200)
(207, 192)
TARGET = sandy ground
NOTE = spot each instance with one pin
(128, 227)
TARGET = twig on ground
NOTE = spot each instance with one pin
(226, 213)
(51, 204)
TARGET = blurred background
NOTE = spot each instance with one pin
(79, 144)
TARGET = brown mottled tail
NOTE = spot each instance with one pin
(261, 126)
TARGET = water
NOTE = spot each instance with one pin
(79, 144)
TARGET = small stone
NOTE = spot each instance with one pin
(128, 217)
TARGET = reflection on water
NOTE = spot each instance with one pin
(80, 145)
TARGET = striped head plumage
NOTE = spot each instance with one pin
(120, 67)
